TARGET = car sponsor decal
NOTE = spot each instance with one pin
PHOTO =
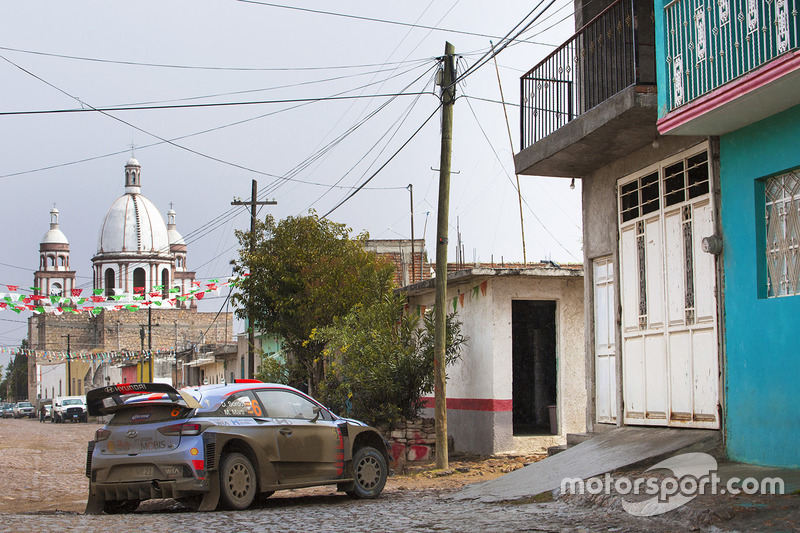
(139, 417)
(234, 421)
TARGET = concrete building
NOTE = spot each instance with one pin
(680, 118)
(523, 360)
(729, 71)
(140, 256)
(652, 311)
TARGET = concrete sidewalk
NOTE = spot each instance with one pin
(608, 452)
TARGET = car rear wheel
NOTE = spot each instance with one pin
(120, 506)
(370, 472)
(238, 482)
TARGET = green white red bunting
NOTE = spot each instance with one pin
(97, 302)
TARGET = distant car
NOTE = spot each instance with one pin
(69, 408)
(22, 409)
(223, 444)
(48, 411)
(8, 410)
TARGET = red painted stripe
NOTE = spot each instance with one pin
(473, 404)
(762, 76)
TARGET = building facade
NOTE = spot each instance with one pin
(680, 119)
(730, 71)
(519, 385)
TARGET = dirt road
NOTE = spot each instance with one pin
(42, 468)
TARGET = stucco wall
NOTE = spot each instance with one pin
(762, 338)
(479, 386)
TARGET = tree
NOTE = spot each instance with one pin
(381, 360)
(303, 273)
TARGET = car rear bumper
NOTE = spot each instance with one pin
(145, 490)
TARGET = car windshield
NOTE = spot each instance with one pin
(25, 404)
(73, 401)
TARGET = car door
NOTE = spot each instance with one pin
(310, 445)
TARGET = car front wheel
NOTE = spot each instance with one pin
(238, 482)
(370, 471)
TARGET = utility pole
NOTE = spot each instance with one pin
(440, 317)
(150, 327)
(511, 143)
(413, 261)
(69, 376)
(251, 332)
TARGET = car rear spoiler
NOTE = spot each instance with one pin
(107, 400)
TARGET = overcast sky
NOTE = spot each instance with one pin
(306, 154)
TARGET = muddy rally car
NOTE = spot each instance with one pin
(223, 445)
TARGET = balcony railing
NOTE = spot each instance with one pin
(712, 43)
(599, 61)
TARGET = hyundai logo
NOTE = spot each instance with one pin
(131, 433)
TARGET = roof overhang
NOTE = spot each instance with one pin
(609, 131)
(770, 89)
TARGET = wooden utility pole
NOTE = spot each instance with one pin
(251, 332)
(69, 377)
(413, 260)
(440, 317)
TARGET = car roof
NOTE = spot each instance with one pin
(213, 394)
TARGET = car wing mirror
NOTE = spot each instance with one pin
(317, 411)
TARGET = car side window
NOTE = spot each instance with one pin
(239, 404)
(286, 404)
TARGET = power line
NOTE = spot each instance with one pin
(373, 19)
(199, 67)
(202, 132)
(93, 109)
(337, 206)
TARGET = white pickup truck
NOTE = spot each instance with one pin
(71, 408)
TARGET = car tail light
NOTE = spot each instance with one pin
(176, 430)
(101, 434)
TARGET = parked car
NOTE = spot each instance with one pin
(8, 410)
(48, 411)
(223, 444)
(22, 409)
(69, 408)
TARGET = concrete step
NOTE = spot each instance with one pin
(552, 450)
(573, 439)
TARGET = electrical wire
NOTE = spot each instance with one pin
(513, 185)
(370, 19)
(337, 206)
(197, 67)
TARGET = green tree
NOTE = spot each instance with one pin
(381, 360)
(304, 273)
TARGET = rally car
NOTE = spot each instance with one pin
(223, 445)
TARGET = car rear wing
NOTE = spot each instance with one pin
(108, 400)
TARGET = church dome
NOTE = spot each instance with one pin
(133, 223)
(54, 235)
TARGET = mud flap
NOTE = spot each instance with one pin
(210, 498)
(94, 505)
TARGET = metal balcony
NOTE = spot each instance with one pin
(610, 53)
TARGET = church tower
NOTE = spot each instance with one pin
(54, 276)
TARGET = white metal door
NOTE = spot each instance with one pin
(604, 341)
(668, 292)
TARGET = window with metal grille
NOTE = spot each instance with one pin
(782, 201)
(639, 197)
(686, 179)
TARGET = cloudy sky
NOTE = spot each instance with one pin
(318, 96)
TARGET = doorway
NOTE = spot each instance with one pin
(533, 353)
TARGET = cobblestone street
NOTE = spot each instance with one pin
(44, 489)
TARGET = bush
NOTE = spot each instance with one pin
(380, 361)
